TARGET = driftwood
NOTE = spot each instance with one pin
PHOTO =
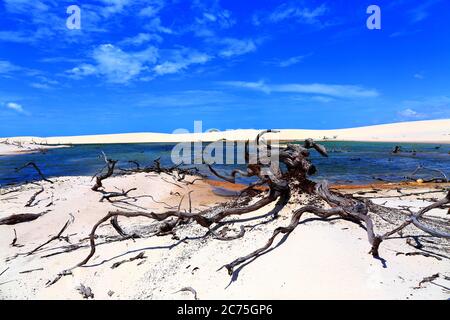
(189, 289)
(110, 165)
(33, 197)
(56, 237)
(58, 276)
(33, 165)
(115, 223)
(14, 241)
(427, 279)
(139, 256)
(1, 273)
(110, 195)
(422, 168)
(419, 253)
(21, 218)
(31, 270)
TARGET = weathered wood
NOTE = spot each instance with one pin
(110, 164)
(138, 257)
(35, 167)
(56, 237)
(20, 218)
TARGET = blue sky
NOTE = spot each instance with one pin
(158, 65)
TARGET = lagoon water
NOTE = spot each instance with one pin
(348, 162)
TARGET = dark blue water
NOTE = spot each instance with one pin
(348, 162)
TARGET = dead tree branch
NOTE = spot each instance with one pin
(189, 289)
(56, 237)
(138, 257)
(110, 164)
(110, 195)
(33, 197)
(33, 165)
(21, 218)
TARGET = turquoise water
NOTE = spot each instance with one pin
(348, 162)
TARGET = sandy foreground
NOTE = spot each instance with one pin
(320, 259)
(435, 131)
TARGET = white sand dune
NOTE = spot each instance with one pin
(435, 131)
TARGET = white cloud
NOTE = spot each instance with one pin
(141, 38)
(40, 85)
(211, 14)
(116, 65)
(259, 86)
(418, 76)
(235, 47)
(119, 66)
(302, 15)
(149, 11)
(339, 91)
(421, 12)
(21, 6)
(291, 61)
(332, 90)
(114, 6)
(7, 67)
(322, 99)
(17, 108)
(155, 25)
(410, 113)
(180, 62)
(42, 82)
(426, 108)
(15, 36)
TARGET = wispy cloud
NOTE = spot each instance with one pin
(119, 66)
(180, 61)
(15, 36)
(21, 6)
(140, 39)
(156, 25)
(7, 67)
(17, 108)
(42, 82)
(287, 62)
(236, 47)
(258, 86)
(410, 114)
(115, 6)
(115, 64)
(300, 14)
(332, 90)
(426, 108)
(291, 61)
(209, 18)
(295, 12)
(422, 11)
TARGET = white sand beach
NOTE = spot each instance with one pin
(432, 131)
(319, 260)
(26, 147)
